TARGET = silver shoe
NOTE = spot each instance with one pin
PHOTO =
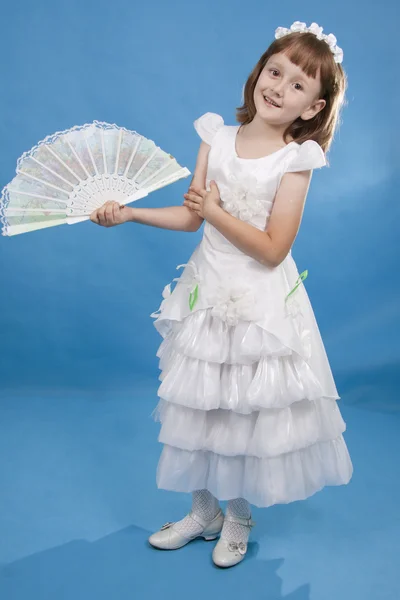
(227, 554)
(167, 538)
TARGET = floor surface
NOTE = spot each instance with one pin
(78, 500)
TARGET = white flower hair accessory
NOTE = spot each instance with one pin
(317, 31)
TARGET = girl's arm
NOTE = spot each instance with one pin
(269, 247)
(178, 218)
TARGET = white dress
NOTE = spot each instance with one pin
(248, 404)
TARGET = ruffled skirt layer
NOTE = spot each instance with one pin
(243, 415)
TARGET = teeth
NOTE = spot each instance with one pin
(271, 101)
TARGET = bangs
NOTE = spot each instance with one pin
(306, 51)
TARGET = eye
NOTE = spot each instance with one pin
(274, 71)
(301, 87)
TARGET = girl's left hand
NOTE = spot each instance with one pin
(202, 202)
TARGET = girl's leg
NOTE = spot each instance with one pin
(232, 544)
(206, 506)
(235, 532)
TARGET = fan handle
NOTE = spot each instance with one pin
(84, 216)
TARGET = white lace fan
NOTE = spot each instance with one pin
(71, 173)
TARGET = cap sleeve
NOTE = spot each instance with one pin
(308, 155)
(207, 126)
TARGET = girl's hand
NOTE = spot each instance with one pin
(202, 202)
(110, 214)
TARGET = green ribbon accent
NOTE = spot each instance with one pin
(301, 278)
(193, 297)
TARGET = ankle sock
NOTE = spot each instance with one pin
(206, 506)
(235, 532)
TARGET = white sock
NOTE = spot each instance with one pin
(206, 506)
(235, 532)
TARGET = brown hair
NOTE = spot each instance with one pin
(310, 54)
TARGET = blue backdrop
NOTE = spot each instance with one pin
(76, 300)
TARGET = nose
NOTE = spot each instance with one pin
(277, 89)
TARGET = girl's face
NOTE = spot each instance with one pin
(290, 88)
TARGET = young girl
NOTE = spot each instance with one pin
(248, 404)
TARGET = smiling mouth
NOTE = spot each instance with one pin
(271, 102)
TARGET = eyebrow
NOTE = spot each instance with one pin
(278, 64)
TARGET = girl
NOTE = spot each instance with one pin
(248, 404)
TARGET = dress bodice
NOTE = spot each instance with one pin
(220, 275)
(248, 186)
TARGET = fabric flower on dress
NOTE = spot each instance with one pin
(292, 307)
(242, 197)
(165, 294)
(230, 304)
(191, 281)
(294, 310)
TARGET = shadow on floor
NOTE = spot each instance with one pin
(123, 566)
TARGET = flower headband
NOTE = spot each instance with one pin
(316, 30)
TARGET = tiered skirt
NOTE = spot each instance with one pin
(243, 415)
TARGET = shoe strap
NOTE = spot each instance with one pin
(246, 522)
(201, 521)
(198, 519)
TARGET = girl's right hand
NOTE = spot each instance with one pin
(110, 214)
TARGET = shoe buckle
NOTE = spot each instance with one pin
(245, 522)
(167, 525)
